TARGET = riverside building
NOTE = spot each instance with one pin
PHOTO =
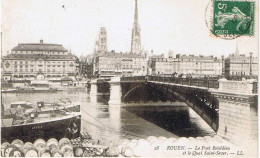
(182, 64)
(112, 64)
(28, 61)
(238, 65)
(241, 65)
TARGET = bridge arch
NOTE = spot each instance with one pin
(201, 101)
(128, 89)
(231, 106)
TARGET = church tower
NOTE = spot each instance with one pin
(136, 34)
(101, 42)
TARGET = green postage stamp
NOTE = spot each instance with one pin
(233, 18)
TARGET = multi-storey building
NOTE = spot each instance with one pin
(200, 65)
(119, 64)
(238, 65)
(241, 65)
(165, 65)
(182, 64)
(86, 66)
(30, 60)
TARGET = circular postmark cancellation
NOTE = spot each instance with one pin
(229, 19)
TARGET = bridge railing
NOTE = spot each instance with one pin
(199, 82)
(133, 78)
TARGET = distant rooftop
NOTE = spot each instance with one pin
(126, 55)
(40, 47)
(39, 56)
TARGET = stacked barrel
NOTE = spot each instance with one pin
(162, 146)
(85, 146)
(39, 148)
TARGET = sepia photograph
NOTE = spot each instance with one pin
(129, 78)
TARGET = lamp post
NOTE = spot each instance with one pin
(117, 66)
(250, 63)
(223, 67)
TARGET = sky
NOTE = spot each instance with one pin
(177, 25)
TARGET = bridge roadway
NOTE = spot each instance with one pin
(229, 107)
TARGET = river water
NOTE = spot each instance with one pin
(110, 123)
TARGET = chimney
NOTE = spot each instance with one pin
(41, 41)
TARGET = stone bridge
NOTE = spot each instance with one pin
(228, 107)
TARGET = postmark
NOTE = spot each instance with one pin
(229, 19)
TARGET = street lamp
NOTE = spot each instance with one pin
(223, 68)
(117, 66)
(250, 63)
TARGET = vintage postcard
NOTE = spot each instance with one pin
(129, 78)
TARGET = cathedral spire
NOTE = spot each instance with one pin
(136, 14)
(136, 36)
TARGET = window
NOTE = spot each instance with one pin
(7, 64)
(31, 70)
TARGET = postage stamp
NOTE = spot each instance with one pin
(230, 19)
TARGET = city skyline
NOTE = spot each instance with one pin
(75, 25)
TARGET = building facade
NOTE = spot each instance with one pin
(200, 65)
(241, 65)
(86, 66)
(182, 64)
(119, 64)
(29, 60)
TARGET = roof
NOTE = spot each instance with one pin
(125, 55)
(39, 82)
(38, 56)
(21, 102)
(157, 56)
(66, 78)
(197, 57)
(39, 47)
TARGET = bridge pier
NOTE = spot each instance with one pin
(93, 91)
(115, 92)
(237, 111)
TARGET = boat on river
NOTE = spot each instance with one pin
(28, 122)
(36, 86)
(41, 107)
(45, 126)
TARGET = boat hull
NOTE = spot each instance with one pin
(31, 91)
(51, 129)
